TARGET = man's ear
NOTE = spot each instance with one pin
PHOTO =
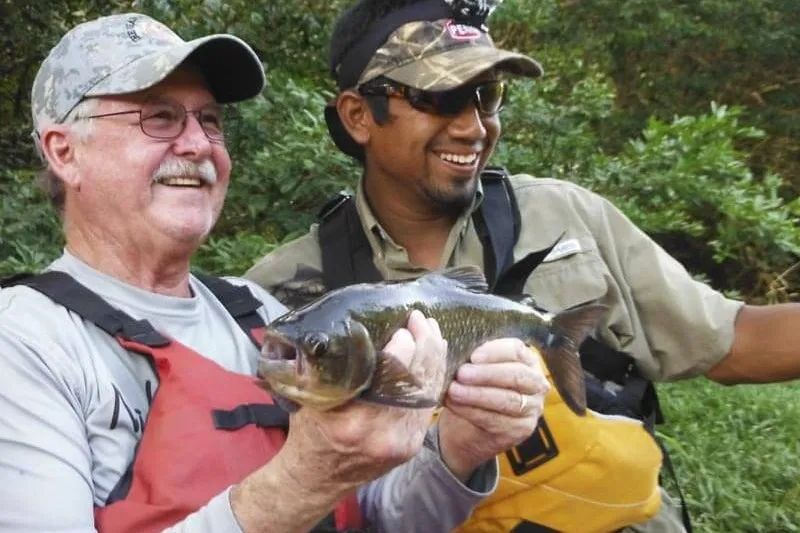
(355, 114)
(58, 148)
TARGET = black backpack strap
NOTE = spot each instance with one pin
(346, 253)
(15, 279)
(687, 521)
(497, 222)
(239, 301)
(64, 290)
(525, 526)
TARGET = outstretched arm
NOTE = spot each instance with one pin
(766, 346)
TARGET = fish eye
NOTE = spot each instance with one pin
(316, 343)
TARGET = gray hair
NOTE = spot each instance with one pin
(51, 184)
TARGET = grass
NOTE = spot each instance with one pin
(737, 454)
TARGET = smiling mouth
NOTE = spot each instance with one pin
(464, 160)
(181, 181)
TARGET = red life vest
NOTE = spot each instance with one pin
(207, 429)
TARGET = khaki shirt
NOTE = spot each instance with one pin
(674, 326)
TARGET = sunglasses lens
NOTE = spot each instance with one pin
(488, 97)
(491, 97)
(452, 102)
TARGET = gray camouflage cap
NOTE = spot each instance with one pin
(442, 54)
(131, 52)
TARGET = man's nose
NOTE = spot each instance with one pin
(193, 141)
(468, 123)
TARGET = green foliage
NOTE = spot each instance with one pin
(548, 128)
(286, 164)
(288, 35)
(30, 235)
(673, 57)
(685, 183)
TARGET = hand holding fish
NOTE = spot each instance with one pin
(360, 441)
(493, 404)
(337, 349)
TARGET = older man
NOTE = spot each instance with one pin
(127, 401)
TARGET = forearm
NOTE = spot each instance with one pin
(279, 497)
(423, 495)
(765, 346)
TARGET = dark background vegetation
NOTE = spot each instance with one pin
(686, 113)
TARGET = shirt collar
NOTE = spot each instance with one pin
(391, 256)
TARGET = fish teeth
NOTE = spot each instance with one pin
(460, 159)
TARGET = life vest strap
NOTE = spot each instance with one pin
(261, 415)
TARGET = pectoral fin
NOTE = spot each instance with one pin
(394, 385)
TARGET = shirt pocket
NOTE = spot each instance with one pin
(573, 274)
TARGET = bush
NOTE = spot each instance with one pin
(30, 233)
(687, 185)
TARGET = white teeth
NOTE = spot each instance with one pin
(458, 158)
(182, 181)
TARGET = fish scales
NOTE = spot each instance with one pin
(328, 352)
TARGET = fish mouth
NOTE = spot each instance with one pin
(281, 356)
(284, 367)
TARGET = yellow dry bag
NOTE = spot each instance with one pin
(576, 474)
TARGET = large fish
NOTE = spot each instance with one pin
(328, 352)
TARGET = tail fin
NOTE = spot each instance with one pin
(570, 328)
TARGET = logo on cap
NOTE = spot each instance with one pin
(130, 28)
(462, 32)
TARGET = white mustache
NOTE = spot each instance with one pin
(181, 168)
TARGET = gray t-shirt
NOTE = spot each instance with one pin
(73, 404)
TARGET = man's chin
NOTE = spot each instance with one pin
(188, 234)
(457, 199)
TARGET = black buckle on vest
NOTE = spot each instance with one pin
(142, 331)
(333, 204)
(259, 414)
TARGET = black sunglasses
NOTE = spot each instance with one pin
(489, 97)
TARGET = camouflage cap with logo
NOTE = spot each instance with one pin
(442, 54)
(131, 52)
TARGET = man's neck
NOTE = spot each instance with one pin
(423, 231)
(137, 264)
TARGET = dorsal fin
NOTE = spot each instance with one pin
(513, 280)
(469, 276)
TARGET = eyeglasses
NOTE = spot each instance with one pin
(166, 119)
(488, 97)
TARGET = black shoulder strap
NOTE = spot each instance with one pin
(64, 290)
(497, 222)
(346, 254)
(238, 300)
